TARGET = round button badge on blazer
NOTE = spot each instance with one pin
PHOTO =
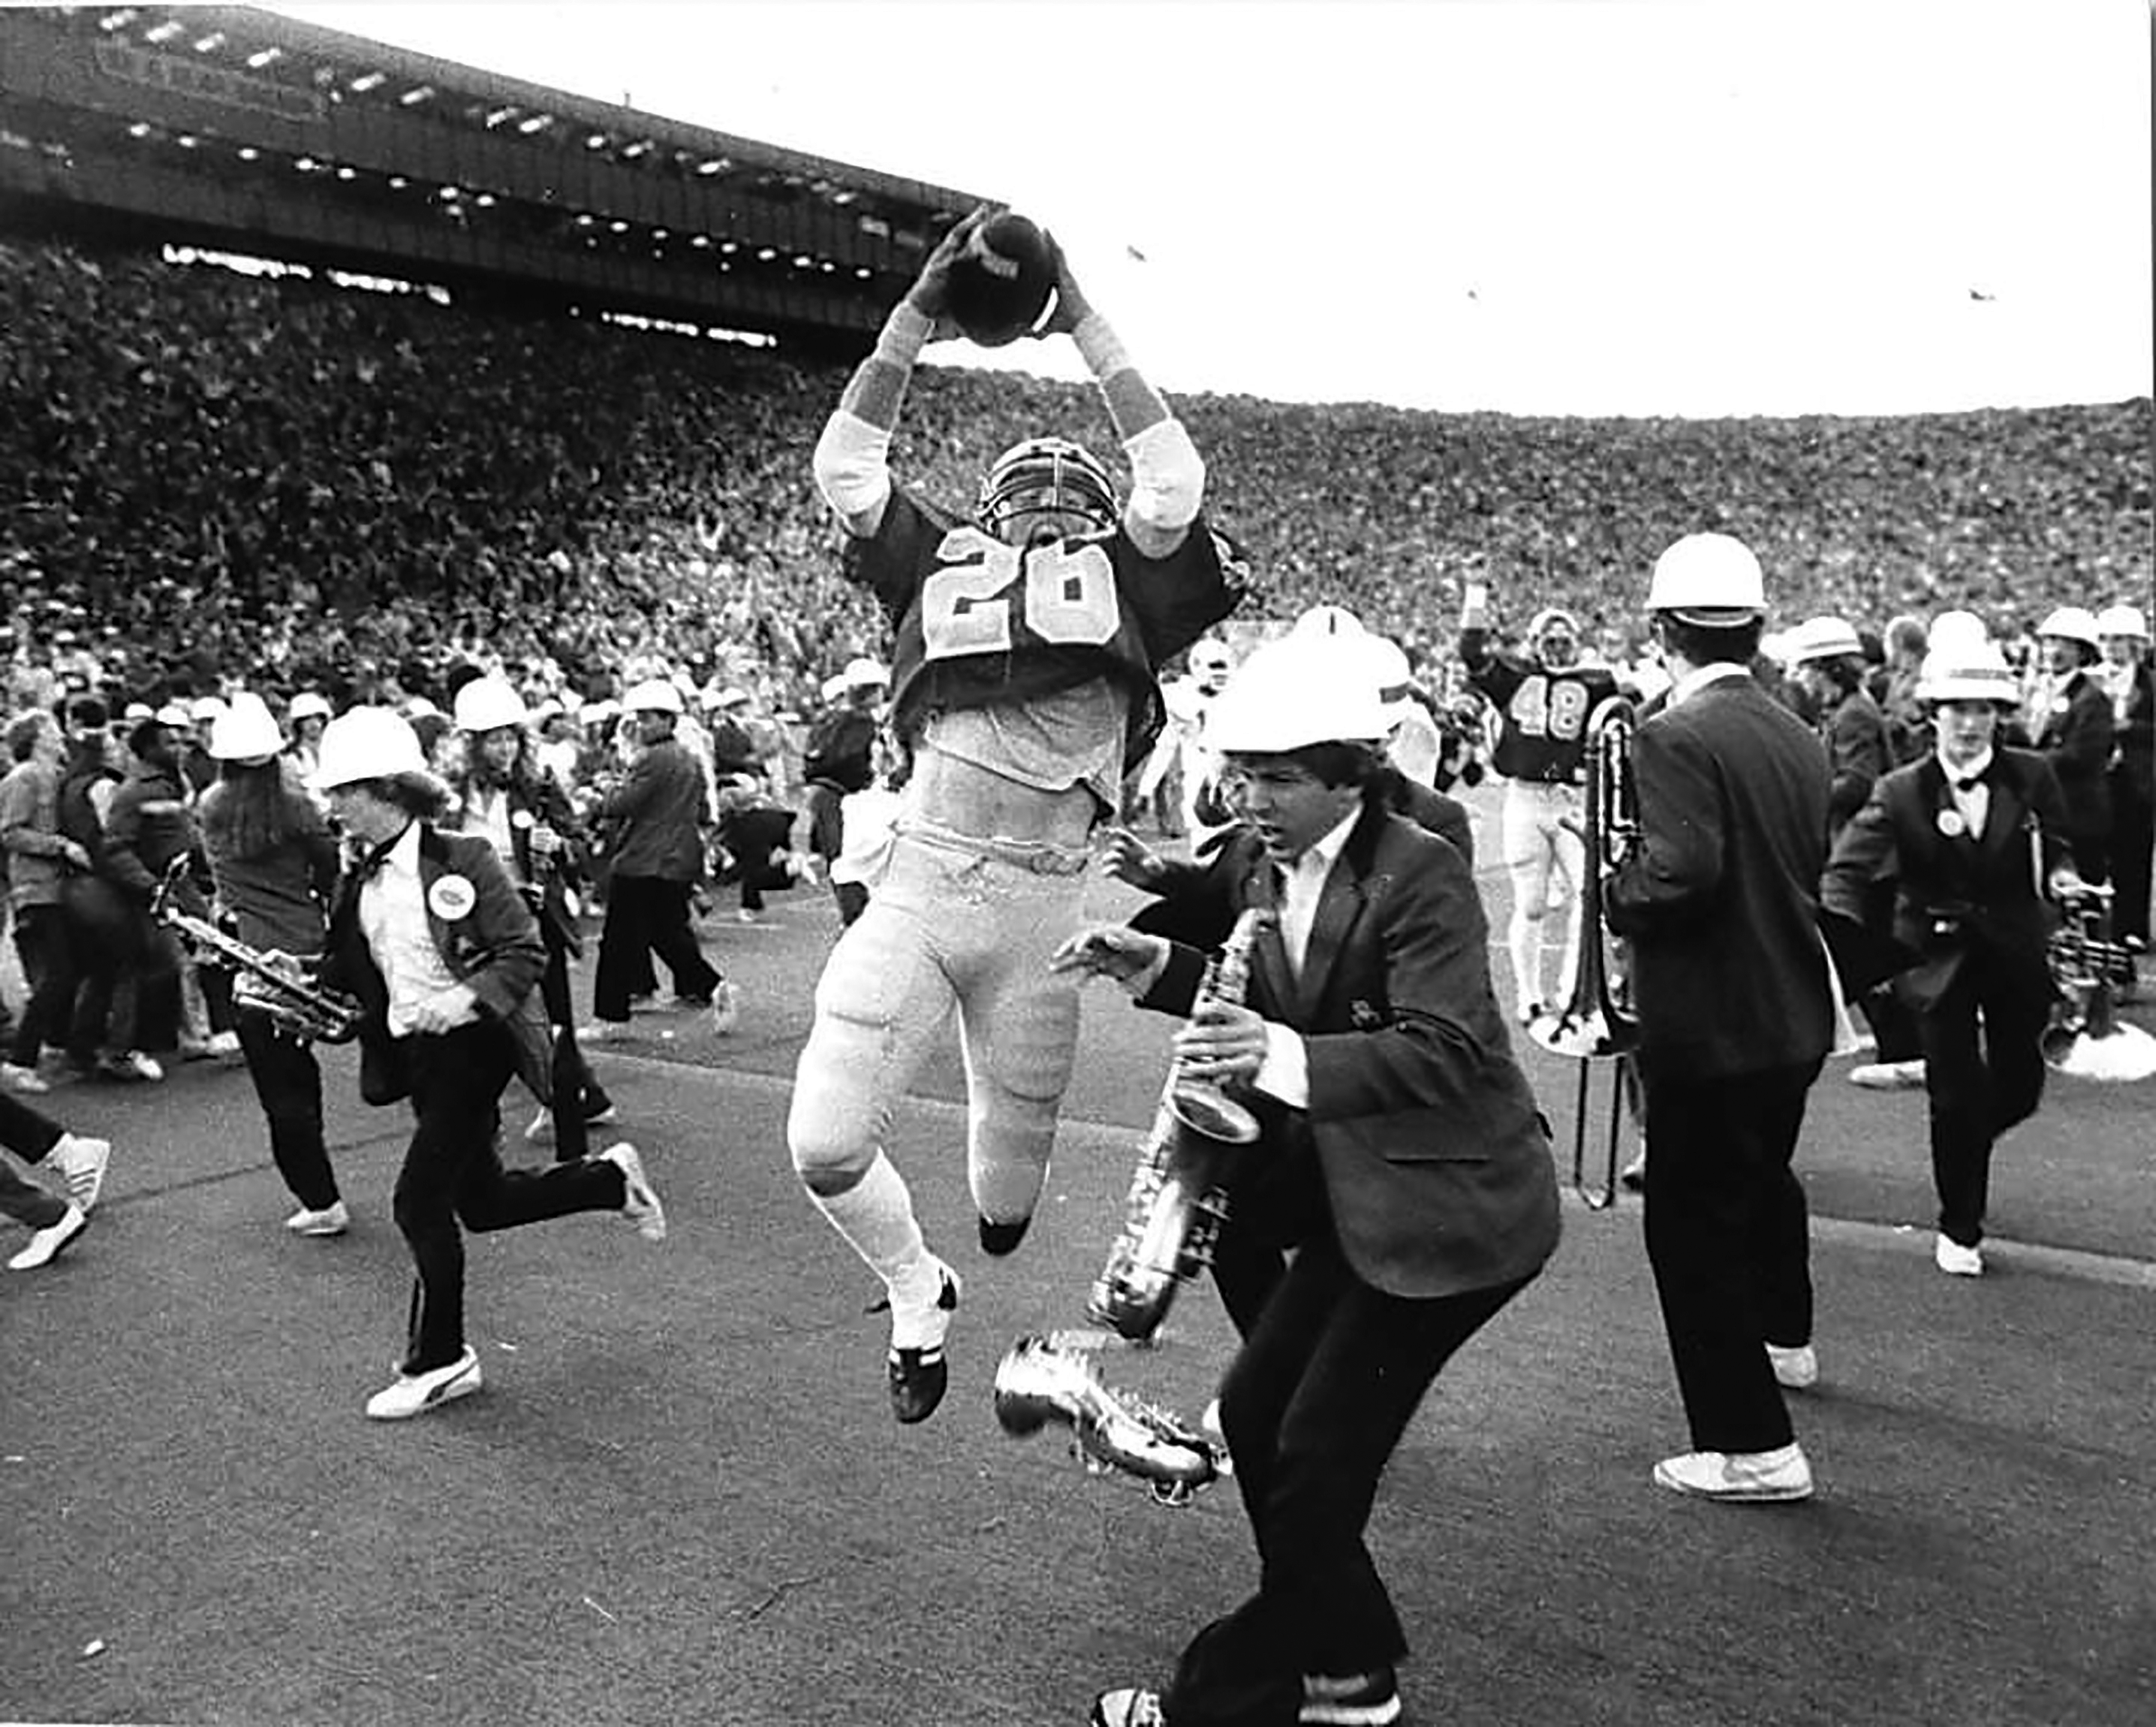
(452, 898)
(1951, 823)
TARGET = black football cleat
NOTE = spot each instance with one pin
(919, 1376)
(1000, 1239)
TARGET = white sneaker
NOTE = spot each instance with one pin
(640, 1200)
(80, 1161)
(725, 1009)
(332, 1219)
(27, 1080)
(412, 1394)
(130, 1064)
(1888, 1076)
(1955, 1260)
(46, 1243)
(1739, 1477)
(1797, 1369)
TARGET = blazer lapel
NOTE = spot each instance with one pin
(1339, 903)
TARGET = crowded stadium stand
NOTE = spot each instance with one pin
(261, 470)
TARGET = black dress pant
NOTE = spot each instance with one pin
(1983, 1069)
(42, 944)
(1728, 1239)
(647, 915)
(1313, 1406)
(453, 1174)
(2132, 837)
(288, 1083)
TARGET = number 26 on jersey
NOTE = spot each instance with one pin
(988, 597)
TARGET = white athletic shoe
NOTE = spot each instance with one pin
(80, 1161)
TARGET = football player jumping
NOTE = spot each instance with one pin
(1022, 679)
(1542, 700)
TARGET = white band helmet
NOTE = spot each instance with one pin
(1820, 639)
(2115, 620)
(2073, 623)
(487, 705)
(245, 731)
(1968, 671)
(654, 695)
(368, 744)
(1710, 580)
(1297, 691)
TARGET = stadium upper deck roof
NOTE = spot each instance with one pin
(232, 127)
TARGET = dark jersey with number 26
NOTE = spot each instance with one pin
(978, 622)
(1542, 714)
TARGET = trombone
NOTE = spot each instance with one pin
(1597, 1022)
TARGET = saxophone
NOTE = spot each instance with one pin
(1176, 1204)
(276, 984)
(1040, 1380)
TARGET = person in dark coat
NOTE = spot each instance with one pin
(1719, 899)
(1400, 1152)
(1973, 839)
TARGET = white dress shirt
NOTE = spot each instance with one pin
(1972, 802)
(392, 917)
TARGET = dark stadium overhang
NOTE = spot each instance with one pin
(249, 131)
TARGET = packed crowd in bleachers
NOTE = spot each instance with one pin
(204, 475)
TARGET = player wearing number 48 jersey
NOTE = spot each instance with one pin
(1022, 681)
(1542, 700)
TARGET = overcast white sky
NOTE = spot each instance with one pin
(1588, 206)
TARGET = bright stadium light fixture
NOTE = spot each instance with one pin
(118, 20)
(306, 165)
(141, 129)
(496, 116)
(618, 226)
(484, 201)
(264, 57)
(369, 81)
(418, 93)
(164, 33)
(449, 194)
(188, 140)
(397, 182)
(699, 241)
(347, 173)
(209, 43)
(248, 153)
(534, 123)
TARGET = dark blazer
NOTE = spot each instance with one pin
(495, 947)
(2076, 737)
(1856, 737)
(1435, 1161)
(1720, 897)
(1955, 895)
(657, 816)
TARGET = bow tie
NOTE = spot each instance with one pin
(367, 864)
(1970, 783)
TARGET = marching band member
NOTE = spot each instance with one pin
(2131, 686)
(1826, 662)
(1022, 678)
(1730, 982)
(274, 864)
(1400, 1153)
(1972, 837)
(2070, 720)
(431, 936)
(509, 801)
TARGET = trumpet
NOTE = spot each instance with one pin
(273, 983)
(1597, 1022)
(1176, 1204)
(1038, 1381)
